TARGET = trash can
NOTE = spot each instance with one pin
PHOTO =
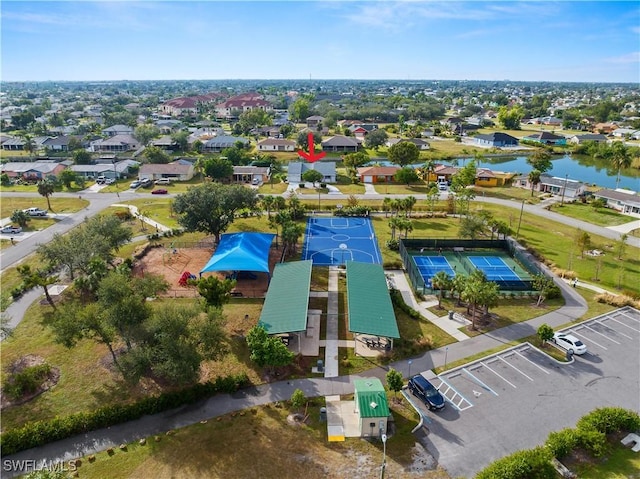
(450, 314)
(320, 366)
(569, 355)
(323, 414)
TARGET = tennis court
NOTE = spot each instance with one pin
(494, 268)
(429, 266)
(333, 241)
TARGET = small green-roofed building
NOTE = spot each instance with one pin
(287, 303)
(372, 406)
(369, 303)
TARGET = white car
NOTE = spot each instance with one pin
(163, 181)
(569, 342)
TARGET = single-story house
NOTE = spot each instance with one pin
(165, 142)
(341, 143)
(176, 171)
(377, 174)
(605, 127)
(625, 133)
(219, 143)
(569, 189)
(276, 144)
(14, 144)
(580, 139)
(420, 143)
(297, 168)
(59, 143)
(485, 177)
(314, 120)
(546, 138)
(109, 169)
(495, 140)
(32, 171)
(246, 174)
(118, 130)
(268, 131)
(442, 173)
(625, 201)
(116, 143)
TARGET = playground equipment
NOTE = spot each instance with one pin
(185, 277)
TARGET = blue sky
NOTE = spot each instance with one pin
(531, 41)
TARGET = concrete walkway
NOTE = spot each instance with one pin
(331, 343)
(369, 189)
(136, 213)
(450, 326)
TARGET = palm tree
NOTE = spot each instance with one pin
(46, 188)
(394, 223)
(386, 206)
(620, 159)
(408, 203)
(268, 202)
(534, 179)
(440, 281)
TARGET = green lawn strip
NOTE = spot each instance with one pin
(157, 209)
(419, 188)
(58, 205)
(508, 193)
(585, 212)
(273, 189)
(620, 463)
(10, 279)
(320, 278)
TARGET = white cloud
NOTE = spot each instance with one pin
(633, 57)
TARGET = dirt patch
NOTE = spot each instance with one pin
(21, 364)
(172, 263)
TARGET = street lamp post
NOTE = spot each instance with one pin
(446, 350)
(384, 455)
(566, 178)
(409, 363)
(520, 220)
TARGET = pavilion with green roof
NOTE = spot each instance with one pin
(369, 304)
(287, 302)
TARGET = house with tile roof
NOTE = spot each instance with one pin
(219, 143)
(580, 139)
(419, 142)
(236, 105)
(297, 168)
(569, 189)
(108, 168)
(188, 105)
(276, 144)
(175, 171)
(377, 174)
(341, 143)
(116, 143)
(32, 171)
(118, 130)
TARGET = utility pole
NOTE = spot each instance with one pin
(520, 220)
(566, 178)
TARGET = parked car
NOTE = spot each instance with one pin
(35, 212)
(163, 181)
(146, 182)
(101, 180)
(109, 181)
(569, 342)
(159, 191)
(10, 229)
(255, 181)
(427, 392)
(135, 184)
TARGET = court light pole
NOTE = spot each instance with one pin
(520, 220)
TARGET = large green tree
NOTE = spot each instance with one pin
(312, 176)
(156, 155)
(145, 133)
(376, 138)
(267, 351)
(32, 278)
(299, 110)
(218, 168)
(216, 292)
(406, 175)
(211, 207)
(404, 153)
(510, 117)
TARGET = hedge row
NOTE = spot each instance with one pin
(38, 433)
(398, 301)
(590, 434)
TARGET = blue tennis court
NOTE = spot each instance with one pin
(494, 268)
(429, 266)
(333, 241)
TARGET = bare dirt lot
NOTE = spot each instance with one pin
(171, 263)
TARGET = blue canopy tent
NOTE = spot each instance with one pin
(241, 252)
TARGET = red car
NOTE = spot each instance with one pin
(160, 191)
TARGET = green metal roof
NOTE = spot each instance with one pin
(371, 398)
(287, 302)
(369, 303)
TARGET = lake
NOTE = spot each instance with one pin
(581, 168)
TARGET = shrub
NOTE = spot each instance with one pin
(393, 244)
(37, 433)
(398, 301)
(26, 381)
(616, 300)
(533, 463)
(610, 419)
(561, 443)
(594, 442)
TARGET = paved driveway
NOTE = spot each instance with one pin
(513, 400)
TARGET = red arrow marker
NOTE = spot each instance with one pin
(312, 155)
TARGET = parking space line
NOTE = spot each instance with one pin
(476, 379)
(613, 329)
(625, 325)
(527, 359)
(591, 341)
(505, 380)
(509, 364)
(456, 393)
(603, 335)
(630, 317)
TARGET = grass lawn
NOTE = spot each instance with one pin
(259, 442)
(621, 463)
(158, 209)
(59, 205)
(273, 189)
(509, 193)
(585, 212)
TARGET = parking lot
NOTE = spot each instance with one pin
(511, 400)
